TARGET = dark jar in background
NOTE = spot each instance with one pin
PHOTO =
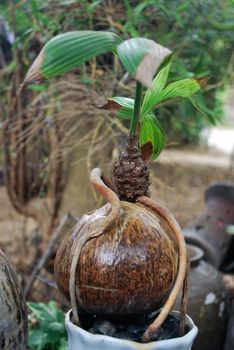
(207, 302)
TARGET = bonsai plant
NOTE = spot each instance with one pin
(127, 258)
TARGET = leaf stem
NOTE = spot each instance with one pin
(137, 109)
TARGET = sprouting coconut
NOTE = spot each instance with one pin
(128, 257)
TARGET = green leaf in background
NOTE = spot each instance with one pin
(141, 58)
(67, 51)
(151, 132)
(46, 327)
(37, 87)
(198, 102)
(204, 111)
(123, 105)
(37, 340)
(153, 95)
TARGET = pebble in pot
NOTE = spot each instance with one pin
(80, 339)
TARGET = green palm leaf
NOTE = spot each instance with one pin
(180, 88)
(141, 58)
(123, 105)
(153, 96)
(67, 51)
(152, 132)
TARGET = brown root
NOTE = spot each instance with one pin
(89, 229)
(181, 275)
(184, 299)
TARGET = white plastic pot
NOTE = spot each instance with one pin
(83, 340)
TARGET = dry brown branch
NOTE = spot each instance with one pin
(48, 252)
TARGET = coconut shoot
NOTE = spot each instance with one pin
(128, 257)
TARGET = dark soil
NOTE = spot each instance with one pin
(132, 328)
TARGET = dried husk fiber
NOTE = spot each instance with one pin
(13, 314)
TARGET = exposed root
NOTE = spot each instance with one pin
(91, 228)
(169, 218)
(184, 300)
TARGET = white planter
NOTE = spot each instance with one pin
(79, 339)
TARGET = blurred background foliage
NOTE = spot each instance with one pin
(200, 33)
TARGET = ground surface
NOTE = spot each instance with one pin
(180, 179)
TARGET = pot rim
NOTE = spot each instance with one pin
(193, 330)
(195, 253)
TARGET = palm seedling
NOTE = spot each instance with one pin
(129, 256)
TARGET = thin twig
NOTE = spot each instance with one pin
(184, 300)
(47, 254)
